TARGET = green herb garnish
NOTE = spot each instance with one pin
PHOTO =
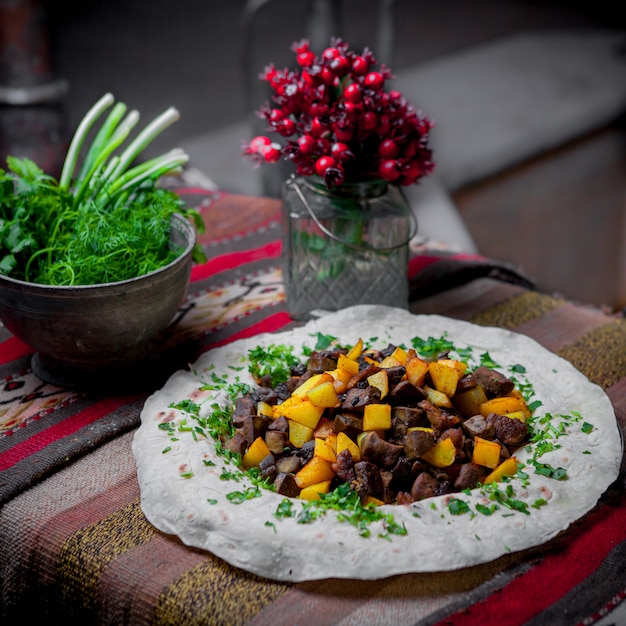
(106, 222)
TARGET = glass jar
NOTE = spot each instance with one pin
(346, 246)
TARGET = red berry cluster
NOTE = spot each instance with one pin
(335, 119)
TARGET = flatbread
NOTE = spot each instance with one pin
(251, 537)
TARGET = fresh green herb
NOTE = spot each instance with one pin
(586, 427)
(545, 469)
(487, 361)
(237, 497)
(323, 341)
(274, 361)
(431, 348)
(456, 506)
(350, 509)
(212, 501)
(106, 223)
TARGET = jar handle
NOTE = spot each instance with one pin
(332, 235)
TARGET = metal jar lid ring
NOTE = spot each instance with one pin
(332, 235)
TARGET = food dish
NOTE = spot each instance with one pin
(183, 491)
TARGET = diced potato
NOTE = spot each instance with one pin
(264, 409)
(517, 415)
(486, 453)
(331, 440)
(416, 370)
(325, 450)
(372, 500)
(324, 395)
(312, 492)
(302, 390)
(508, 467)
(400, 354)
(299, 410)
(341, 378)
(390, 361)
(468, 402)
(347, 364)
(355, 352)
(503, 405)
(317, 470)
(324, 428)
(442, 454)
(445, 377)
(516, 393)
(377, 417)
(426, 429)
(299, 434)
(257, 451)
(380, 380)
(344, 442)
(458, 365)
(438, 398)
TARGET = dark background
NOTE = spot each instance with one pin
(188, 53)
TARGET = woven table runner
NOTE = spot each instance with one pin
(82, 547)
(236, 293)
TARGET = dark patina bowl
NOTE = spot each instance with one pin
(90, 334)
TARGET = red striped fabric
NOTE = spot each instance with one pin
(13, 349)
(232, 260)
(553, 577)
(57, 431)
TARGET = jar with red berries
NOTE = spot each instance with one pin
(344, 245)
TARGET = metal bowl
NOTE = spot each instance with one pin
(89, 333)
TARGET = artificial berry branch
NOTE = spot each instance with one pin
(333, 118)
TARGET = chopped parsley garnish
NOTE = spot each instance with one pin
(274, 361)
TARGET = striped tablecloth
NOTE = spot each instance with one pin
(75, 547)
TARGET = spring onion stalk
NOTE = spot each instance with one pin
(95, 178)
(110, 221)
(103, 136)
(149, 133)
(76, 144)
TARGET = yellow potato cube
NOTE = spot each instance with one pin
(257, 451)
(325, 450)
(348, 365)
(312, 492)
(416, 370)
(299, 434)
(445, 378)
(401, 355)
(317, 470)
(468, 402)
(324, 395)
(380, 380)
(438, 398)
(344, 442)
(508, 467)
(372, 500)
(301, 411)
(390, 361)
(324, 428)
(442, 454)
(503, 405)
(264, 409)
(355, 352)
(377, 417)
(301, 390)
(453, 363)
(486, 453)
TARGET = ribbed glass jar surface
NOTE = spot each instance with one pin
(344, 247)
